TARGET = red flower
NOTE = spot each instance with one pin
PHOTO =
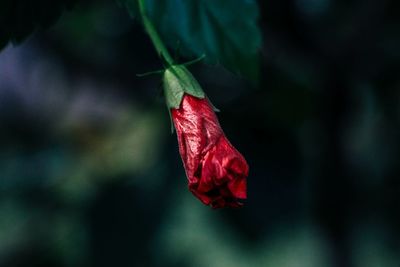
(215, 169)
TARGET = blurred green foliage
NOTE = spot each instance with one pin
(20, 18)
(225, 31)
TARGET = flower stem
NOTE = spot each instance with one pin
(154, 36)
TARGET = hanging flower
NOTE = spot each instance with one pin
(216, 171)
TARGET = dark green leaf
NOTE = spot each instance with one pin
(19, 18)
(225, 31)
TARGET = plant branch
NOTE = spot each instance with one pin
(154, 36)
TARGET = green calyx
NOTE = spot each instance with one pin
(177, 81)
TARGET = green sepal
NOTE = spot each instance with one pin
(178, 81)
(171, 121)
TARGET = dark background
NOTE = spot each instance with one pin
(91, 176)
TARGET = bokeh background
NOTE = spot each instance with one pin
(91, 176)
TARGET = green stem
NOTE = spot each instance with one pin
(152, 32)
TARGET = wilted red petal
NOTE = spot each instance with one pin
(216, 171)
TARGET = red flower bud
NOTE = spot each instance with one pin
(215, 169)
